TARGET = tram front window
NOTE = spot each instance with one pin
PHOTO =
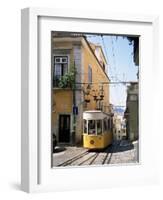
(85, 126)
(91, 127)
(99, 127)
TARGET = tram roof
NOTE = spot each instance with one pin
(94, 114)
(93, 111)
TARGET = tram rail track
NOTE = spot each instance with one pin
(109, 154)
(82, 159)
(92, 158)
(113, 150)
(70, 161)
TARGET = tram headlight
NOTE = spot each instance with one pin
(92, 141)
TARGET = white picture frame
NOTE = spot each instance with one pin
(36, 171)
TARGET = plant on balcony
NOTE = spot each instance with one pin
(68, 80)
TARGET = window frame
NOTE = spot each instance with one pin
(90, 74)
(61, 63)
(56, 78)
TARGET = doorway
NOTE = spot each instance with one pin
(64, 128)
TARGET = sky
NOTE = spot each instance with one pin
(119, 56)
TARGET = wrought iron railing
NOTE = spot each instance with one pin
(56, 80)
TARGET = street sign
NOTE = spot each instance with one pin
(75, 110)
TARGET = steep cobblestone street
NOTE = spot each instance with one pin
(118, 153)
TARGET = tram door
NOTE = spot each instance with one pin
(64, 128)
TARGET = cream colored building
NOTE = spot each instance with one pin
(119, 130)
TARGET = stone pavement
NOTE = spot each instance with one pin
(122, 152)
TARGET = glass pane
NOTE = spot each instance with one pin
(85, 126)
(109, 124)
(91, 127)
(89, 74)
(64, 60)
(65, 70)
(99, 126)
(57, 70)
(57, 60)
(105, 125)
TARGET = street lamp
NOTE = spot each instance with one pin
(98, 96)
(101, 92)
(95, 95)
(87, 94)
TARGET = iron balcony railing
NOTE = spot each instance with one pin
(56, 80)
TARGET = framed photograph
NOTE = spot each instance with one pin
(87, 115)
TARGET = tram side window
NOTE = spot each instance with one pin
(91, 127)
(105, 125)
(85, 126)
(99, 127)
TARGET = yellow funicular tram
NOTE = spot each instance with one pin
(97, 129)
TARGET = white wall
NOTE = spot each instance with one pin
(10, 96)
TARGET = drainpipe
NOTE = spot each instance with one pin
(74, 104)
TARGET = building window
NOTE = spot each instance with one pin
(133, 97)
(89, 74)
(60, 68)
(103, 64)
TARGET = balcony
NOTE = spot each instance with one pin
(56, 81)
(63, 82)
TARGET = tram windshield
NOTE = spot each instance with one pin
(99, 127)
(91, 127)
(94, 127)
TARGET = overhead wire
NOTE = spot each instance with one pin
(115, 81)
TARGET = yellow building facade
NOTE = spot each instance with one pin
(91, 85)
